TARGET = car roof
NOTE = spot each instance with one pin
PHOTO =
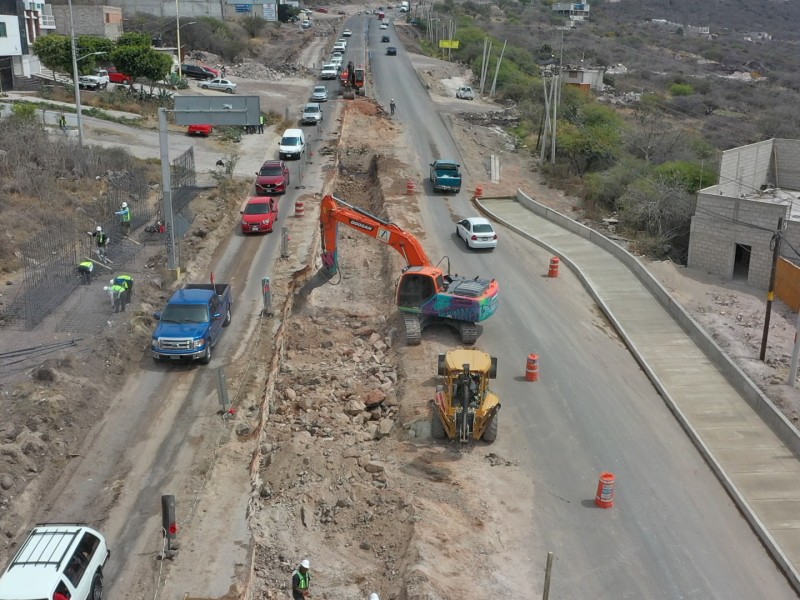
(320, 87)
(478, 221)
(311, 105)
(293, 133)
(260, 200)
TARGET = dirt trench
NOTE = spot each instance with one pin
(348, 476)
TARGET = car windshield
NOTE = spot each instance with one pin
(290, 141)
(320, 90)
(258, 208)
(186, 313)
(312, 109)
(482, 228)
(270, 171)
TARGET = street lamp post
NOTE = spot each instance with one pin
(178, 32)
(75, 73)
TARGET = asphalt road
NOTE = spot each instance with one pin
(673, 532)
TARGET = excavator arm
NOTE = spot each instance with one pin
(334, 211)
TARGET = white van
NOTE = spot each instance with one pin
(292, 144)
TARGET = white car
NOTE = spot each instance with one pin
(312, 114)
(222, 85)
(477, 232)
(465, 93)
(383, 26)
(58, 558)
(336, 61)
(292, 144)
(320, 94)
(329, 71)
(347, 33)
(342, 46)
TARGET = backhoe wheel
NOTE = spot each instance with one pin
(413, 329)
(469, 333)
(490, 433)
(437, 427)
(441, 366)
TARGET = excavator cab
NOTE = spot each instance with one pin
(415, 286)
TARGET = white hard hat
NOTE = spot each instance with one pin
(105, 288)
(99, 228)
(374, 596)
(305, 564)
(124, 205)
(111, 282)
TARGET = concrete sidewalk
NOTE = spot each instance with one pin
(750, 447)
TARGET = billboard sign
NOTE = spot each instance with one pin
(230, 110)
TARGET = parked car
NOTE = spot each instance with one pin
(329, 71)
(339, 46)
(292, 144)
(272, 178)
(391, 51)
(347, 33)
(115, 76)
(92, 82)
(383, 26)
(320, 94)
(259, 215)
(465, 93)
(477, 232)
(58, 558)
(306, 24)
(196, 72)
(321, 10)
(204, 130)
(222, 85)
(312, 114)
(336, 61)
(216, 72)
(385, 38)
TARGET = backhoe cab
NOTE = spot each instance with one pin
(425, 293)
(465, 409)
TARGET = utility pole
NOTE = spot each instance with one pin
(546, 120)
(497, 70)
(776, 251)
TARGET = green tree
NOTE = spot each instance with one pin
(687, 175)
(54, 52)
(134, 39)
(138, 61)
(681, 89)
(589, 138)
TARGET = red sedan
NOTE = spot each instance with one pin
(259, 215)
(272, 178)
(205, 130)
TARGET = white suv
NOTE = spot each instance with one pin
(57, 558)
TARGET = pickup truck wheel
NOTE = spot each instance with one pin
(227, 320)
(207, 357)
(97, 587)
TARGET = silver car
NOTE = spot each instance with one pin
(320, 94)
(222, 85)
(312, 114)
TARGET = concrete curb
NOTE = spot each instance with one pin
(781, 426)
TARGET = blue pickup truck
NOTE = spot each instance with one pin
(446, 176)
(191, 323)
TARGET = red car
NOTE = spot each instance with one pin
(321, 10)
(272, 178)
(205, 130)
(115, 76)
(259, 215)
(217, 73)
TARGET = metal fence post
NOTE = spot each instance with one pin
(284, 242)
(267, 295)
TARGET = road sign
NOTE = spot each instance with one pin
(226, 109)
(448, 44)
(244, 8)
(270, 11)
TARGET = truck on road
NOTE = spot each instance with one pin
(445, 176)
(191, 323)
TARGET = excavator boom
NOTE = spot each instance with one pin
(334, 211)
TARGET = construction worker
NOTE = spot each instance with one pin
(391, 105)
(62, 123)
(102, 242)
(85, 268)
(117, 293)
(261, 122)
(300, 580)
(125, 218)
(125, 281)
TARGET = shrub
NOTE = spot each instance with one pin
(681, 89)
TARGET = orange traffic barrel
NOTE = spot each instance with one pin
(478, 191)
(553, 272)
(410, 189)
(605, 490)
(532, 368)
(299, 208)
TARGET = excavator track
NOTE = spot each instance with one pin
(413, 329)
(468, 332)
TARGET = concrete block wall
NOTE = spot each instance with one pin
(745, 169)
(720, 223)
(787, 163)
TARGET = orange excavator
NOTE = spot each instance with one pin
(425, 293)
(351, 81)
